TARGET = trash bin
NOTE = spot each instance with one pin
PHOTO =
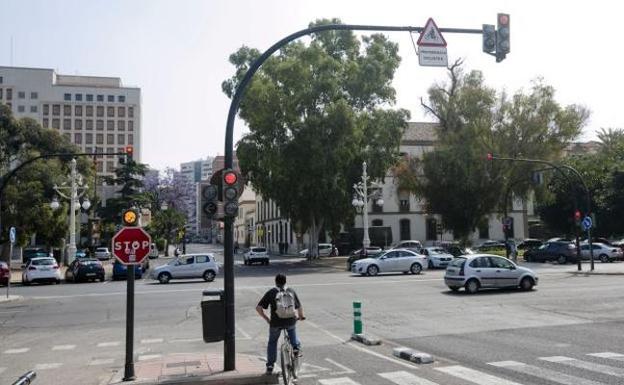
(213, 315)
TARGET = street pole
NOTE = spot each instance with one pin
(366, 240)
(73, 197)
(229, 343)
(129, 367)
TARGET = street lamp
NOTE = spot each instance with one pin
(76, 189)
(360, 201)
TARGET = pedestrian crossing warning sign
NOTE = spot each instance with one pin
(431, 36)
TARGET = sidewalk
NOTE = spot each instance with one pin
(198, 369)
(616, 268)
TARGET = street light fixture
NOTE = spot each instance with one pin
(361, 198)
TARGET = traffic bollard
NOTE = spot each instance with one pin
(357, 317)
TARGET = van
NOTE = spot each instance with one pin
(153, 253)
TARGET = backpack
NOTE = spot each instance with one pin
(285, 303)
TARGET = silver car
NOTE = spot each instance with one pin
(402, 260)
(602, 252)
(477, 271)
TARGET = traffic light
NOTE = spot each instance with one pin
(577, 217)
(129, 153)
(210, 200)
(489, 38)
(231, 189)
(502, 37)
(130, 217)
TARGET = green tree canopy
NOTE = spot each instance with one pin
(315, 112)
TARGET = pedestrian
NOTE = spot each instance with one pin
(285, 309)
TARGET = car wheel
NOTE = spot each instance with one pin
(164, 277)
(430, 264)
(415, 268)
(472, 286)
(527, 283)
(562, 260)
(209, 276)
(58, 281)
(604, 258)
(372, 270)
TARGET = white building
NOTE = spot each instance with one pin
(195, 172)
(98, 114)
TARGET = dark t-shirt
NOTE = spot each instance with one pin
(269, 300)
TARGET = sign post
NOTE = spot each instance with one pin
(587, 224)
(130, 246)
(11, 243)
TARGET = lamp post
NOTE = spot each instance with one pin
(76, 184)
(360, 201)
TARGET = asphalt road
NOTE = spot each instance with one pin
(567, 331)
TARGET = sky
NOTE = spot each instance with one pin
(177, 52)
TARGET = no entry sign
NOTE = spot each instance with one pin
(131, 245)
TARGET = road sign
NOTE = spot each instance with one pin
(431, 36)
(131, 245)
(587, 223)
(507, 221)
(432, 56)
(12, 235)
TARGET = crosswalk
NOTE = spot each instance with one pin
(590, 369)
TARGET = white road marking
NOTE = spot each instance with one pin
(405, 378)
(63, 347)
(338, 381)
(152, 341)
(573, 362)
(345, 370)
(12, 311)
(309, 368)
(474, 376)
(101, 361)
(547, 374)
(609, 355)
(16, 351)
(245, 335)
(149, 356)
(54, 365)
(183, 340)
(108, 344)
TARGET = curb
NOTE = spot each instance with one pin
(215, 379)
(11, 298)
(412, 355)
(588, 273)
(365, 340)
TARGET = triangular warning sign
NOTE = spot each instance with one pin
(431, 36)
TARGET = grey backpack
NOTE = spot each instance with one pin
(285, 303)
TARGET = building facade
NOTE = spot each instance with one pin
(195, 172)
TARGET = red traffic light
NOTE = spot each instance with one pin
(503, 19)
(230, 178)
(129, 150)
(577, 215)
(490, 156)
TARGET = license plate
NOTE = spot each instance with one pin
(90, 274)
(46, 269)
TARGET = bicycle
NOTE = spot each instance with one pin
(289, 360)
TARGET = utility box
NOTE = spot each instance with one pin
(213, 315)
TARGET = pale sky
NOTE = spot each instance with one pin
(177, 52)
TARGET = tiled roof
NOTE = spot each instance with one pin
(420, 132)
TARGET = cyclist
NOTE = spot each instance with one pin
(276, 298)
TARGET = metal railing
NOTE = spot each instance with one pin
(26, 378)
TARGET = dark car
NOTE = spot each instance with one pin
(530, 244)
(120, 271)
(84, 269)
(5, 274)
(560, 251)
(369, 252)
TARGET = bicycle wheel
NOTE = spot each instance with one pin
(295, 364)
(285, 355)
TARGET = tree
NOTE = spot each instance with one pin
(455, 179)
(315, 112)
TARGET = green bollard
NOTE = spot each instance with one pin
(357, 317)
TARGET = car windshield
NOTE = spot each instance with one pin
(43, 262)
(436, 251)
(258, 249)
(101, 249)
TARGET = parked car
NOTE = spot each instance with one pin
(120, 271)
(491, 245)
(477, 271)
(29, 253)
(41, 269)
(324, 250)
(102, 253)
(530, 244)
(602, 252)
(256, 254)
(437, 256)
(369, 252)
(187, 266)
(402, 260)
(153, 253)
(5, 273)
(560, 251)
(80, 254)
(84, 269)
(412, 245)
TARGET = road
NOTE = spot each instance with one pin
(567, 331)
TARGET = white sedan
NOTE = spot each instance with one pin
(404, 261)
(438, 257)
(41, 269)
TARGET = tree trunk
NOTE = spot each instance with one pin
(314, 235)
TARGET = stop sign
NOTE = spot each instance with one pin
(131, 245)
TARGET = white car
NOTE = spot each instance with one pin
(477, 271)
(102, 253)
(187, 266)
(405, 261)
(324, 250)
(602, 252)
(256, 254)
(438, 257)
(41, 269)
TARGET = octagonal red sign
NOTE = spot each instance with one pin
(131, 245)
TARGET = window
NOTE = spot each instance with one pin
(33, 109)
(34, 95)
(404, 202)
(484, 230)
(89, 97)
(66, 110)
(89, 139)
(21, 95)
(1, 80)
(78, 138)
(89, 111)
(9, 105)
(121, 98)
(100, 98)
(67, 124)
(99, 139)
(78, 97)
(111, 98)
(130, 125)
(110, 139)
(404, 229)
(377, 222)
(46, 123)
(67, 136)
(67, 97)
(110, 150)
(121, 112)
(131, 112)
(56, 109)
(500, 263)
(78, 124)
(121, 139)
(89, 124)
(0, 93)
(46, 109)
(9, 93)
(99, 167)
(110, 112)
(21, 108)
(482, 262)
(431, 231)
(110, 125)
(121, 125)
(100, 111)
(99, 125)
(78, 110)
(202, 259)
(110, 166)
(89, 149)
(56, 123)
(130, 139)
